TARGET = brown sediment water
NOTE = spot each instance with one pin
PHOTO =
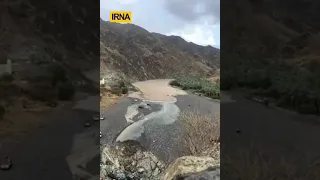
(156, 90)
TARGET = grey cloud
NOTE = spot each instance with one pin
(187, 9)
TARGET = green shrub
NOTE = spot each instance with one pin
(122, 84)
(210, 90)
(124, 90)
(120, 87)
(198, 84)
(174, 83)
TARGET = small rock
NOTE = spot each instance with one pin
(141, 106)
(87, 124)
(140, 170)
(96, 117)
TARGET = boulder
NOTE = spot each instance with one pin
(192, 167)
(129, 160)
(209, 174)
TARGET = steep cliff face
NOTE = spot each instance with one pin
(142, 55)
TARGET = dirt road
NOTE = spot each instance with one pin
(267, 127)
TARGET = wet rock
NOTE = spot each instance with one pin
(144, 105)
(193, 167)
(129, 160)
(141, 170)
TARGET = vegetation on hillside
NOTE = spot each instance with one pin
(120, 87)
(289, 86)
(198, 85)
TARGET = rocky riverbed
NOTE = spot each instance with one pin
(142, 136)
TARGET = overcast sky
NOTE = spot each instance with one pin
(197, 21)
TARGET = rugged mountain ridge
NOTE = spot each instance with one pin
(142, 55)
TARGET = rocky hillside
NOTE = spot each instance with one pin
(273, 48)
(41, 32)
(271, 28)
(141, 55)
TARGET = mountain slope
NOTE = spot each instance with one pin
(142, 55)
(269, 28)
(40, 31)
(272, 47)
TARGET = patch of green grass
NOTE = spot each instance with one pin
(199, 85)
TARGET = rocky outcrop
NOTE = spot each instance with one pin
(209, 174)
(129, 160)
(191, 167)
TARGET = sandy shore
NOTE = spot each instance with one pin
(156, 90)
